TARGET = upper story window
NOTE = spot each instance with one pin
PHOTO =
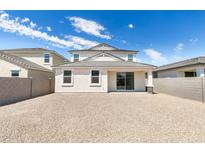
(76, 57)
(67, 77)
(15, 73)
(46, 58)
(95, 77)
(130, 57)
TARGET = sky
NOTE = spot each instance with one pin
(161, 37)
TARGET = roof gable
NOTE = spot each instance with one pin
(103, 46)
(103, 56)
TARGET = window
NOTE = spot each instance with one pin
(76, 57)
(130, 57)
(46, 58)
(190, 74)
(14, 73)
(95, 76)
(67, 76)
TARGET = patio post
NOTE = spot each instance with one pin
(200, 72)
(149, 82)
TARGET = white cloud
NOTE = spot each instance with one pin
(155, 55)
(7, 24)
(131, 26)
(82, 41)
(39, 28)
(124, 42)
(88, 26)
(25, 20)
(193, 40)
(179, 47)
(32, 24)
(48, 28)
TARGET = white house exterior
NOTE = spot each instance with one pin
(102, 68)
(43, 57)
(14, 66)
(194, 67)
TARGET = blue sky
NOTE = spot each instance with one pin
(161, 37)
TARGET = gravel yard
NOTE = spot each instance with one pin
(114, 117)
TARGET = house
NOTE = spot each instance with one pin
(14, 66)
(194, 67)
(43, 57)
(102, 68)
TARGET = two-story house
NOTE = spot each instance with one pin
(29, 62)
(102, 68)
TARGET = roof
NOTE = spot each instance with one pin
(188, 62)
(113, 64)
(22, 62)
(103, 47)
(31, 50)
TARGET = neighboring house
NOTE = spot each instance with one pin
(194, 67)
(14, 66)
(102, 68)
(40, 56)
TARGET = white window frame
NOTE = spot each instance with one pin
(15, 71)
(74, 57)
(67, 84)
(45, 58)
(100, 77)
(128, 57)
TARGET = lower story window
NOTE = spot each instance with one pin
(67, 76)
(190, 74)
(14, 73)
(95, 76)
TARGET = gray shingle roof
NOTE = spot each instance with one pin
(22, 62)
(30, 50)
(113, 64)
(188, 62)
(92, 49)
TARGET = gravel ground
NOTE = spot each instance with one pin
(114, 117)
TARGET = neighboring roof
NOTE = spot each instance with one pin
(113, 64)
(30, 50)
(188, 62)
(103, 47)
(22, 62)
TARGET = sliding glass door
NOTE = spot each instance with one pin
(125, 80)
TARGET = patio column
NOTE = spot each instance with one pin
(149, 82)
(199, 71)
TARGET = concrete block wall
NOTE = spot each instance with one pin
(17, 89)
(14, 89)
(191, 88)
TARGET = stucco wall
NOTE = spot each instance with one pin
(43, 82)
(139, 81)
(81, 81)
(192, 88)
(38, 58)
(5, 69)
